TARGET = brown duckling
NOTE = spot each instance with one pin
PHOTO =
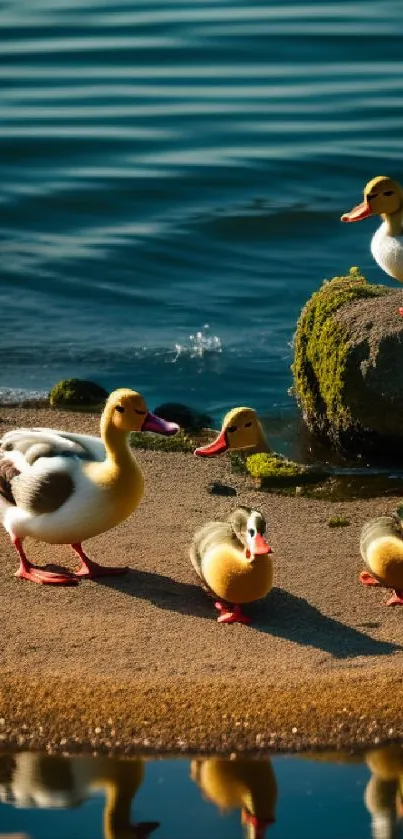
(381, 548)
(233, 561)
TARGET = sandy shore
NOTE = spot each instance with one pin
(139, 662)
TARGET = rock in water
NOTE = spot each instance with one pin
(348, 364)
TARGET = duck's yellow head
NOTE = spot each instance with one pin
(127, 411)
(382, 197)
(241, 429)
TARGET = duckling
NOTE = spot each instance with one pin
(381, 548)
(384, 197)
(36, 780)
(241, 429)
(384, 792)
(232, 560)
(63, 488)
(248, 784)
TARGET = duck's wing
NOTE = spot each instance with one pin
(46, 442)
(92, 447)
(37, 466)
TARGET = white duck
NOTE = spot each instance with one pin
(384, 197)
(63, 488)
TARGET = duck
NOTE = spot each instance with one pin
(383, 197)
(233, 562)
(241, 429)
(383, 796)
(63, 488)
(381, 547)
(384, 791)
(49, 781)
(245, 783)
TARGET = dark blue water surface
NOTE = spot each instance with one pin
(334, 796)
(172, 179)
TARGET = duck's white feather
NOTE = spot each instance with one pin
(81, 517)
(387, 250)
(93, 445)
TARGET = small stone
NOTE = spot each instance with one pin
(98, 730)
(217, 488)
(294, 730)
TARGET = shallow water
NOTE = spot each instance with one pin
(327, 797)
(165, 166)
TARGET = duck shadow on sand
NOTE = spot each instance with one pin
(282, 614)
(286, 616)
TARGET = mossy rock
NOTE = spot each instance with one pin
(77, 394)
(179, 442)
(274, 470)
(188, 418)
(348, 358)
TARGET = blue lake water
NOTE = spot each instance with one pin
(353, 797)
(172, 180)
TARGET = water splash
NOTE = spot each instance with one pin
(200, 344)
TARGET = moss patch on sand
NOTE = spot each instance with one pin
(179, 442)
(338, 521)
(77, 394)
(321, 353)
(274, 470)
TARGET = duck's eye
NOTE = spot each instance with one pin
(251, 531)
(389, 192)
(373, 195)
(248, 424)
(232, 428)
(136, 411)
(120, 408)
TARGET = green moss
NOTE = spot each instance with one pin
(238, 462)
(77, 394)
(338, 521)
(264, 465)
(179, 442)
(321, 352)
(274, 470)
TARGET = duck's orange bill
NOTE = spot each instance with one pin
(219, 445)
(260, 546)
(357, 213)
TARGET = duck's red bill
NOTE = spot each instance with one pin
(260, 546)
(219, 445)
(357, 213)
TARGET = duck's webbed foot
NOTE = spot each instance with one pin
(231, 614)
(396, 599)
(401, 311)
(27, 571)
(91, 570)
(367, 579)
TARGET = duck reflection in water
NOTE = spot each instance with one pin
(248, 784)
(31, 780)
(383, 794)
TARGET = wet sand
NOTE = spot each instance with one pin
(139, 662)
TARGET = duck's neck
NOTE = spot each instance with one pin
(394, 222)
(117, 809)
(116, 444)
